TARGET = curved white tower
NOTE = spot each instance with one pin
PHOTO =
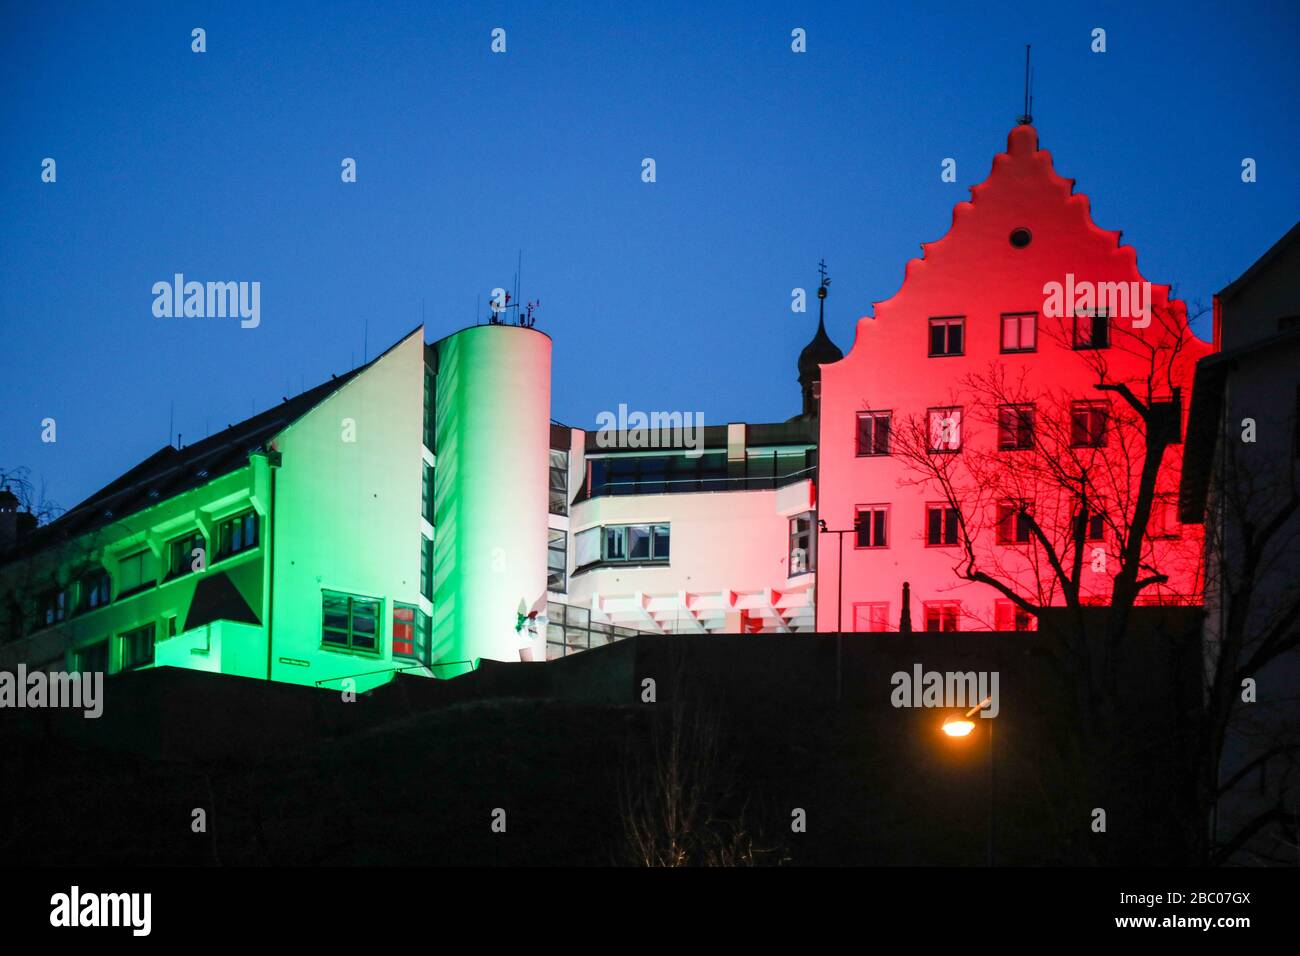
(492, 437)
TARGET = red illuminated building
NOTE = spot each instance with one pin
(965, 427)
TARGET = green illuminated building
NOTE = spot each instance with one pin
(392, 518)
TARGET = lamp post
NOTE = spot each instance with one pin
(839, 604)
(961, 727)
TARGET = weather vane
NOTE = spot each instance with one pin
(821, 289)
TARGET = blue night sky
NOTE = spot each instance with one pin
(673, 295)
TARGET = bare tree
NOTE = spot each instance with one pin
(1081, 487)
(677, 801)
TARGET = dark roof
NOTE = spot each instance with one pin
(170, 471)
(1229, 291)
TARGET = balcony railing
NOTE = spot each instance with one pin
(668, 486)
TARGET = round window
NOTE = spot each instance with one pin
(1020, 238)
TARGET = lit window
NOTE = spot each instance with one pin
(1020, 332)
(941, 525)
(945, 429)
(871, 524)
(349, 622)
(873, 433)
(410, 633)
(946, 335)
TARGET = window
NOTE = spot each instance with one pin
(135, 647)
(942, 615)
(133, 573)
(803, 545)
(237, 534)
(426, 567)
(945, 429)
(52, 607)
(349, 622)
(1095, 527)
(586, 547)
(410, 633)
(1092, 331)
(623, 544)
(430, 393)
(1088, 424)
(426, 493)
(941, 525)
(557, 558)
(873, 433)
(871, 618)
(871, 522)
(96, 589)
(92, 659)
(1020, 331)
(1164, 517)
(1015, 427)
(182, 558)
(559, 482)
(946, 335)
(1009, 616)
(1013, 523)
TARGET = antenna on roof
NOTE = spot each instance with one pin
(1027, 117)
(171, 420)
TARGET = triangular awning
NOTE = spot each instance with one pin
(217, 599)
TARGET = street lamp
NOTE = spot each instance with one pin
(839, 606)
(962, 727)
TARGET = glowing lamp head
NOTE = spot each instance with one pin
(958, 726)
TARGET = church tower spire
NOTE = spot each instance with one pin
(820, 351)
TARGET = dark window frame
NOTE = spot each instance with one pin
(350, 631)
(874, 418)
(873, 529)
(947, 323)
